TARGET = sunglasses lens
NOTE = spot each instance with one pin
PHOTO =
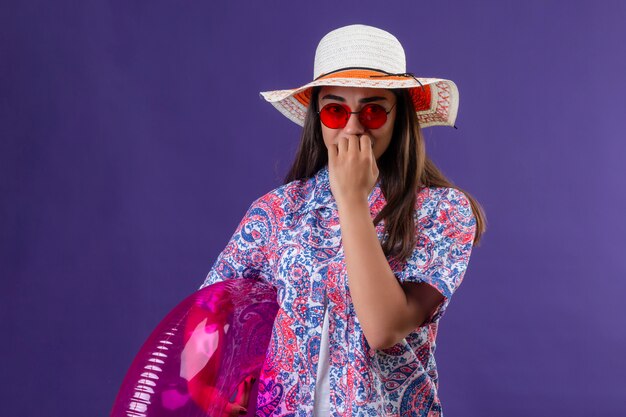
(334, 116)
(373, 116)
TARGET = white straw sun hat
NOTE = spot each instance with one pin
(365, 56)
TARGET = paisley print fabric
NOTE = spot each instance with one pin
(290, 238)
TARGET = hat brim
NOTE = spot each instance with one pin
(436, 100)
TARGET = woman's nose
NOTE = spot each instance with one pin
(354, 126)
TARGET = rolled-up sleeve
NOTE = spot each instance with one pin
(246, 253)
(443, 248)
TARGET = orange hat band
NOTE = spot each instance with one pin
(421, 95)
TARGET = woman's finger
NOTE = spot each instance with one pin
(332, 153)
(366, 144)
(243, 390)
(353, 144)
(242, 394)
(342, 145)
(233, 410)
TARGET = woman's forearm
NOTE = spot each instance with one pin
(379, 300)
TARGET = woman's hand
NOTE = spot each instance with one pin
(352, 168)
(238, 408)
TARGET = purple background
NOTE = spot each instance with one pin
(133, 139)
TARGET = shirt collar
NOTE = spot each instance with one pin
(321, 196)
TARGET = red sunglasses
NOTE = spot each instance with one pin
(336, 115)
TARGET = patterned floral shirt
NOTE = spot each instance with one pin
(291, 238)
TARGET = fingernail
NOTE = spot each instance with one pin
(243, 411)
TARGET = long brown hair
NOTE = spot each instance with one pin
(404, 168)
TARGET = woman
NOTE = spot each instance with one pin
(365, 242)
